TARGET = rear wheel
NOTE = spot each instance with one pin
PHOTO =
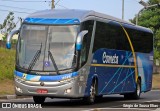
(136, 94)
(39, 99)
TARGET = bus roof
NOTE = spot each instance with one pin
(81, 15)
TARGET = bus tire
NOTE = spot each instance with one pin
(136, 94)
(99, 98)
(92, 95)
(127, 96)
(39, 99)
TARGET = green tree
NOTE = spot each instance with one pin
(8, 25)
(150, 18)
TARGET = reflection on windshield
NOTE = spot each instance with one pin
(62, 45)
(59, 40)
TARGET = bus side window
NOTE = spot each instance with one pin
(87, 25)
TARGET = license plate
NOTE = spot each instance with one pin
(42, 91)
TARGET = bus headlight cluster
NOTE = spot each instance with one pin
(81, 78)
(67, 90)
(18, 79)
(67, 80)
(19, 89)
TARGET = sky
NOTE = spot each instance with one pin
(110, 7)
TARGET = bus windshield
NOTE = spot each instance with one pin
(47, 48)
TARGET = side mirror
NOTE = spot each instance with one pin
(80, 39)
(10, 35)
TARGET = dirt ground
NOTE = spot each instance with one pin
(6, 87)
(156, 81)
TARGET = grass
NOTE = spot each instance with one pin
(7, 67)
(7, 63)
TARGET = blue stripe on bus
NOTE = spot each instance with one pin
(29, 77)
(78, 46)
(113, 76)
(121, 82)
(51, 21)
(19, 74)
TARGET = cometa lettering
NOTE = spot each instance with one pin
(109, 59)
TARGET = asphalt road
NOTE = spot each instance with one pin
(149, 101)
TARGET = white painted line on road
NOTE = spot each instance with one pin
(155, 90)
(98, 109)
(11, 100)
(158, 109)
(157, 100)
(11, 96)
(2, 100)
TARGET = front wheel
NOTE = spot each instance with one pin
(39, 99)
(91, 98)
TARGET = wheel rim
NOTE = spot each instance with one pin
(138, 90)
(92, 92)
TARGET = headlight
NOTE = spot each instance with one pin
(67, 80)
(18, 79)
(19, 89)
(67, 91)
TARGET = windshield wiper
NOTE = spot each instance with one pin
(53, 61)
(35, 58)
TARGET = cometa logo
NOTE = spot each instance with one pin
(109, 59)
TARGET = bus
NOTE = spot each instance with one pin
(81, 54)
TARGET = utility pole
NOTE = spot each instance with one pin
(53, 6)
(122, 9)
(145, 7)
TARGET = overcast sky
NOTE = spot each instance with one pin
(110, 7)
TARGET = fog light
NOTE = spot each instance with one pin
(19, 89)
(67, 91)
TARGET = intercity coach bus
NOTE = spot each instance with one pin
(81, 54)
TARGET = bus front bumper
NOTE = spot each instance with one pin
(64, 89)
